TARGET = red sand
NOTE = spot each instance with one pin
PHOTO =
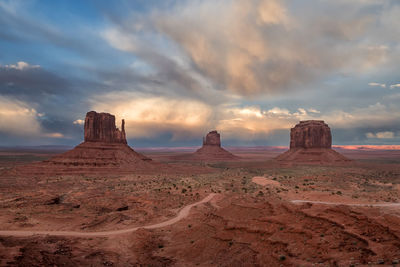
(246, 224)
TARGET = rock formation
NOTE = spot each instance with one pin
(210, 151)
(311, 142)
(100, 127)
(311, 134)
(104, 150)
(213, 138)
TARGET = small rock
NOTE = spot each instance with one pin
(123, 208)
(381, 261)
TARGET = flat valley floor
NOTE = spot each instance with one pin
(248, 212)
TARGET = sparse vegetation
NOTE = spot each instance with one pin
(269, 219)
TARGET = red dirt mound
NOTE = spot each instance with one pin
(92, 157)
(313, 155)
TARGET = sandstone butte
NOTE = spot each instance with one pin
(100, 127)
(104, 150)
(311, 142)
(210, 151)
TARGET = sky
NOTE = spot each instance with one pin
(177, 69)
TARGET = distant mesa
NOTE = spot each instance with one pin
(104, 150)
(311, 142)
(210, 151)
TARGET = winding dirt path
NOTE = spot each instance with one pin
(181, 214)
(347, 204)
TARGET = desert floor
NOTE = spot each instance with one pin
(250, 212)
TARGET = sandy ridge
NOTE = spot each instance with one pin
(184, 212)
(348, 204)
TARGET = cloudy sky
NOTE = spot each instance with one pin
(175, 69)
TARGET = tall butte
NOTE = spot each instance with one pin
(100, 127)
(211, 150)
(311, 142)
(104, 150)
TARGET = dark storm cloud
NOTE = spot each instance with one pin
(37, 85)
(32, 83)
(56, 100)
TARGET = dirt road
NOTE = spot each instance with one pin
(181, 214)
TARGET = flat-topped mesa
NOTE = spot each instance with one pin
(311, 143)
(213, 138)
(100, 127)
(311, 134)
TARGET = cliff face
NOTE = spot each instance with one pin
(311, 134)
(213, 138)
(100, 127)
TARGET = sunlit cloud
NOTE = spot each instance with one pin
(312, 110)
(241, 123)
(78, 122)
(54, 135)
(21, 65)
(249, 123)
(18, 118)
(119, 40)
(383, 85)
(279, 111)
(395, 86)
(150, 116)
(373, 116)
(381, 135)
(251, 111)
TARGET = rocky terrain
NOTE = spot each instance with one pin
(253, 219)
(252, 211)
